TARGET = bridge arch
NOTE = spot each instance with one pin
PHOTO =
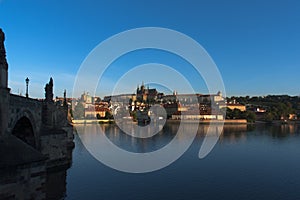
(24, 127)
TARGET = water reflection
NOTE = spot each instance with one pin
(235, 133)
(248, 162)
(89, 134)
(230, 132)
(127, 142)
(282, 131)
(56, 184)
(34, 181)
(252, 144)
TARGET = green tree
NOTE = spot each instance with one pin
(269, 117)
(250, 116)
(134, 115)
(98, 116)
(236, 114)
(108, 115)
(79, 111)
(229, 113)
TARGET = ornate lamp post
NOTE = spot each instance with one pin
(27, 81)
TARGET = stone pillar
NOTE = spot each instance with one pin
(4, 90)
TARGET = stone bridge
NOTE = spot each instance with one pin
(25, 123)
(29, 119)
(35, 136)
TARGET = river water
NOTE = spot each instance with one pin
(248, 162)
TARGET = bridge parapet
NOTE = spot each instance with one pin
(23, 101)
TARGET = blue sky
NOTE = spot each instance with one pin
(255, 44)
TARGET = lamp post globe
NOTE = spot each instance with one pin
(27, 82)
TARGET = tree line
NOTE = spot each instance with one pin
(278, 107)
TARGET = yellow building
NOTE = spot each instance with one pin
(236, 106)
(232, 106)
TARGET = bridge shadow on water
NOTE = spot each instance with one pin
(31, 180)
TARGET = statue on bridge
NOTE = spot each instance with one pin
(65, 99)
(3, 61)
(49, 91)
